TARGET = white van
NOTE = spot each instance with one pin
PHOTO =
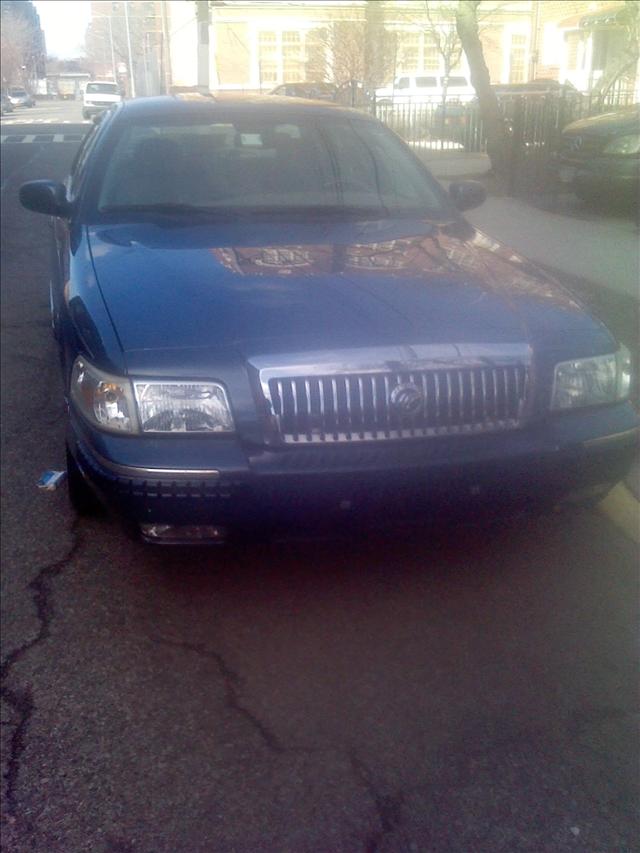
(99, 95)
(425, 88)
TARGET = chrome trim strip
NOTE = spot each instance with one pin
(323, 424)
(137, 471)
(408, 432)
(361, 401)
(483, 381)
(612, 439)
(374, 391)
(391, 359)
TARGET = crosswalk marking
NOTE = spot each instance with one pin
(40, 138)
(15, 121)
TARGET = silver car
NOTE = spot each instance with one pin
(21, 98)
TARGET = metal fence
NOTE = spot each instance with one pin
(436, 126)
(533, 125)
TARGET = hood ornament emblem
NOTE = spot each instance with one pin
(407, 399)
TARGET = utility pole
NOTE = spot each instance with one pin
(113, 55)
(203, 44)
(166, 54)
(131, 76)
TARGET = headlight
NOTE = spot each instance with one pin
(592, 381)
(183, 407)
(624, 145)
(107, 401)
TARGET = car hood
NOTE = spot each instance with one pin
(607, 123)
(274, 288)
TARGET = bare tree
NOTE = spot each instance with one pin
(346, 51)
(626, 59)
(15, 49)
(468, 31)
(443, 34)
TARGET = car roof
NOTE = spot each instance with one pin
(196, 105)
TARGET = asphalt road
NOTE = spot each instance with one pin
(448, 691)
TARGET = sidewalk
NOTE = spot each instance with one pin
(604, 250)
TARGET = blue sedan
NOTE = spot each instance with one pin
(271, 316)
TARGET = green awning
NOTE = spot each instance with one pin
(604, 18)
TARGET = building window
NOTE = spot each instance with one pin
(408, 52)
(281, 56)
(316, 55)
(517, 58)
(431, 54)
(292, 57)
(268, 57)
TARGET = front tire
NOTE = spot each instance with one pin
(81, 496)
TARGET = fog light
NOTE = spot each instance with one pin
(183, 532)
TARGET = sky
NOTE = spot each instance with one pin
(64, 23)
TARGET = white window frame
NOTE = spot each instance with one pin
(278, 29)
(515, 29)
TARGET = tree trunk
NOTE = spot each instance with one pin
(467, 26)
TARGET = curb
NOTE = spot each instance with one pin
(623, 509)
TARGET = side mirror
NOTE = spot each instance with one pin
(467, 194)
(45, 197)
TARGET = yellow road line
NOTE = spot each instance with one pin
(621, 507)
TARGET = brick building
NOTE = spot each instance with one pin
(575, 40)
(258, 45)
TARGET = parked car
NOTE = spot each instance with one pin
(535, 89)
(270, 314)
(7, 106)
(313, 91)
(601, 155)
(425, 88)
(21, 98)
(100, 95)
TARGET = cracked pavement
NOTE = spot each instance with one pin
(461, 691)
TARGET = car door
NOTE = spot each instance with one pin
(61, 238)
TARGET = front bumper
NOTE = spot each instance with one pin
(599, 174)
(212, 481)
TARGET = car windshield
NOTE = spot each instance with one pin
(102, 88)
(332, 165)
(18, 93)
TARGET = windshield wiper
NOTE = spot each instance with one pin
(175, 209)
(297, 213)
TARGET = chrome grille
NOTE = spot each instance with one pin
(349, 407)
